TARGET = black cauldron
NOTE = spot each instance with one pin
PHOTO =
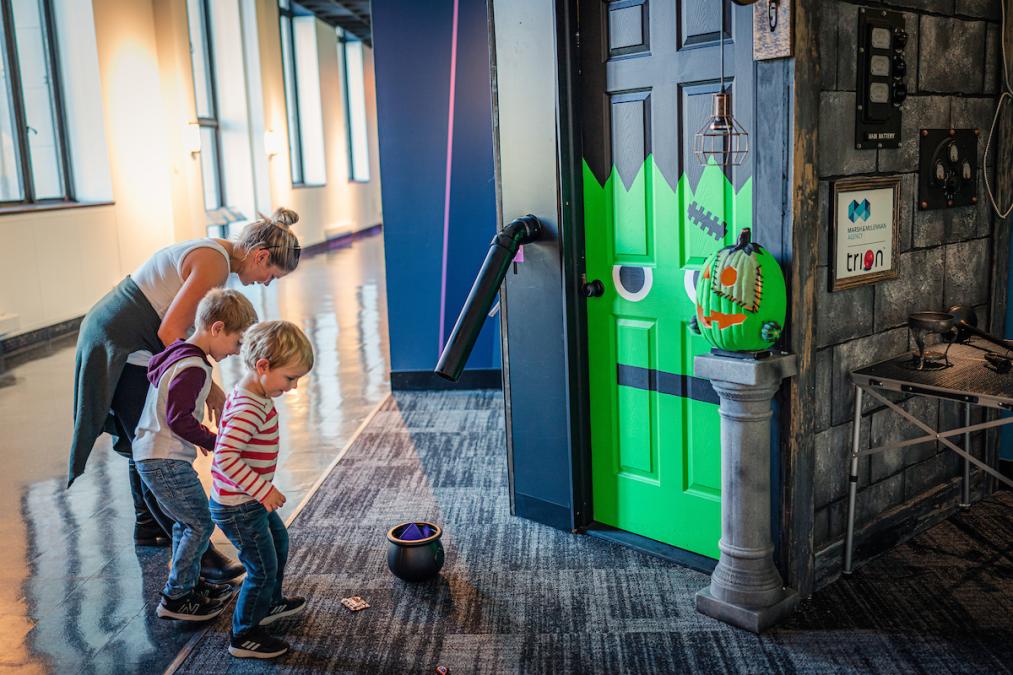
(415, 552)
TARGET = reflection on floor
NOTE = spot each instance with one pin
(518, 597)
(75, 594)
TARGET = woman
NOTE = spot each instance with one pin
(145, 313)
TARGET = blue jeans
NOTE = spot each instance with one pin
(262, 542)
(175, 485)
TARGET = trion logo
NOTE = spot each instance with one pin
(856, 210)
(865, 261)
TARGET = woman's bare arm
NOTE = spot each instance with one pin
(203, 269)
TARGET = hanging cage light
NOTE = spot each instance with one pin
(721, 140)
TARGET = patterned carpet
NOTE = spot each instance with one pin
(517, 597)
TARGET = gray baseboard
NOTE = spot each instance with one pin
(341, 240)
(427, 380)
(34, 343)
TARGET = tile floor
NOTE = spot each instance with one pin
(75, 594)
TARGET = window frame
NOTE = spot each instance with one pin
(344, 41)
(212, 121)
(13, 67)
(296, 160)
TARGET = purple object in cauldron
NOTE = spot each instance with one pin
(413, 532)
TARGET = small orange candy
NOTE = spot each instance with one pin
(728, 276)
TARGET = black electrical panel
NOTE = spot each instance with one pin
(880, 78)
(947, 168)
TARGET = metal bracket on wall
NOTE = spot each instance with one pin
(772, 30)
(947, 168)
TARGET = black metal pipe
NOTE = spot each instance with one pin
(502, 250)
(974, 330)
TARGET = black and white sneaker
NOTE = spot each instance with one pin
(191, 607)
(256, 644)
(215, 592)
(284, 609)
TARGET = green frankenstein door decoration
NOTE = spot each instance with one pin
(655, 430)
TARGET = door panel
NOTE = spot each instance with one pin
(652, 216)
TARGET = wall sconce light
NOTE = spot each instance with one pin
(272, 143)
(191, 138)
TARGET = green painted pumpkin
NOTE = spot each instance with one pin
(740, 298)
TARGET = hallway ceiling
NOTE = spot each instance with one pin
(351, 15)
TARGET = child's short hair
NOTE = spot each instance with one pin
(280, 342)
(230, 307)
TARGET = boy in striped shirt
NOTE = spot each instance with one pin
(244, 503)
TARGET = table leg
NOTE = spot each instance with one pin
(965, 497)
(849, 539)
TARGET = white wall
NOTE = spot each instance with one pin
(340, 203)
(55, 264)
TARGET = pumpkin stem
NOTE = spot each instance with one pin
(745, 242)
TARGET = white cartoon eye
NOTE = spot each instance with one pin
(689, 279)
(632, 282)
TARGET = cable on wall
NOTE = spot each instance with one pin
(1005, 97)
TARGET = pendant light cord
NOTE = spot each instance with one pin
(721, 44)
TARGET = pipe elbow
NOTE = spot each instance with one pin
(523, 230)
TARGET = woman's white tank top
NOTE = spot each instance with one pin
(161, 276)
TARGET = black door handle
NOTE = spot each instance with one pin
(592, 289)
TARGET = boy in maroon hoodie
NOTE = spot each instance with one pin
(165, 447)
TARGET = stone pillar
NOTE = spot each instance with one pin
(746, 589)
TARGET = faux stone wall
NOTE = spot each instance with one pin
(945, 255)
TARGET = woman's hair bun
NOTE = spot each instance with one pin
(284, 218)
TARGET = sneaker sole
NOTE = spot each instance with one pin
(241, 653)
(164, 613)
(282, 615)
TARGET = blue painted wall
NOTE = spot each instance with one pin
(412, 52)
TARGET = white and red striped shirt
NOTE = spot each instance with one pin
(247, 450)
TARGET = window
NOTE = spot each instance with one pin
(291, 100)
(34, 166)
(201, 59)
(301, 70)
(355, 108)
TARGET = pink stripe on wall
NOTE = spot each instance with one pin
(446, 192)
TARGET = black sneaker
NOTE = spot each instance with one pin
(284, 609)
(256, 643)
(215, 592)
(191, 607)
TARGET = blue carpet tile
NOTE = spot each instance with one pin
(518, 597)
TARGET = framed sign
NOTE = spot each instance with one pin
(864, 225)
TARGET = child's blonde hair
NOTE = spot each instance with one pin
(230, 307)
(282, 343)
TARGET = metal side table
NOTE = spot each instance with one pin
(968, 378)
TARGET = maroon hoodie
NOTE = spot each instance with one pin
(181, 399)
